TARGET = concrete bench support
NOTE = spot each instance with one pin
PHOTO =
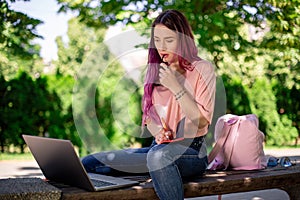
(28, 188)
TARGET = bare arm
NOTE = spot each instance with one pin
(185, 100)
(158, 131)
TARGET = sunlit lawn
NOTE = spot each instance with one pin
(16, 156)
(28, 155)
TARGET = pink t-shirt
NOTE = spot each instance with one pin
(200, 83)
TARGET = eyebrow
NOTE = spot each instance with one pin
(169, 37)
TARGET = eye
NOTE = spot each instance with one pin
(169, 41)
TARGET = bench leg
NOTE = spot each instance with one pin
(293, 191)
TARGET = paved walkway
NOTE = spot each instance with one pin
(17, 169)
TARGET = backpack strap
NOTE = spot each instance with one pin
(233, 138)
(229, 121)
(220, 143)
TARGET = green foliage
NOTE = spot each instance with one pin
(238, 99)
(21, 116)
(216, 23)
(254, 45)
(10, 64)
(284, 24)
(279, 130)
(101, 101)
(73, 54)
(63, 86)
(18, 52)
(98, 95)
(288, 104)
(16, 32)
(28, 107)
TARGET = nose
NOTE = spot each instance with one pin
(161, 46)
(164, 46)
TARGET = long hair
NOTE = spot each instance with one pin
(187, 53)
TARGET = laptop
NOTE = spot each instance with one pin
(59, 162)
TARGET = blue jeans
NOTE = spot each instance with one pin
(167, 164)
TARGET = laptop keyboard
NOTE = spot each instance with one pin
(98, 183)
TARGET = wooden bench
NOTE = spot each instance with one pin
(212, 183)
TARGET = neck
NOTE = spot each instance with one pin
(176, 67)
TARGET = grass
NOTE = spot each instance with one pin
(281, 147)
(16, 156)
(28, 156)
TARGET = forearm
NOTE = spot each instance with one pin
(190, 107)
(153, 128)
(159, 132)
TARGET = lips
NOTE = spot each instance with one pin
(164, 56)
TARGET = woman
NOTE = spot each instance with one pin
(178, 105)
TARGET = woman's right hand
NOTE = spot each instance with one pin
(167, 77)
(163, 135)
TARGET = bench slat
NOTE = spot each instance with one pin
(212, 183)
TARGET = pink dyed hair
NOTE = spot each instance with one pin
(187, 53)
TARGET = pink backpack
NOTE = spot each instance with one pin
(239, 144)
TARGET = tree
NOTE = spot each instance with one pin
(98, 87)
(20, 110)
(247, 40)
(30, 106)
(3, 104)
(216, 24)
(73, 54)
(278, 128)
(101, 103)
(17, 30)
